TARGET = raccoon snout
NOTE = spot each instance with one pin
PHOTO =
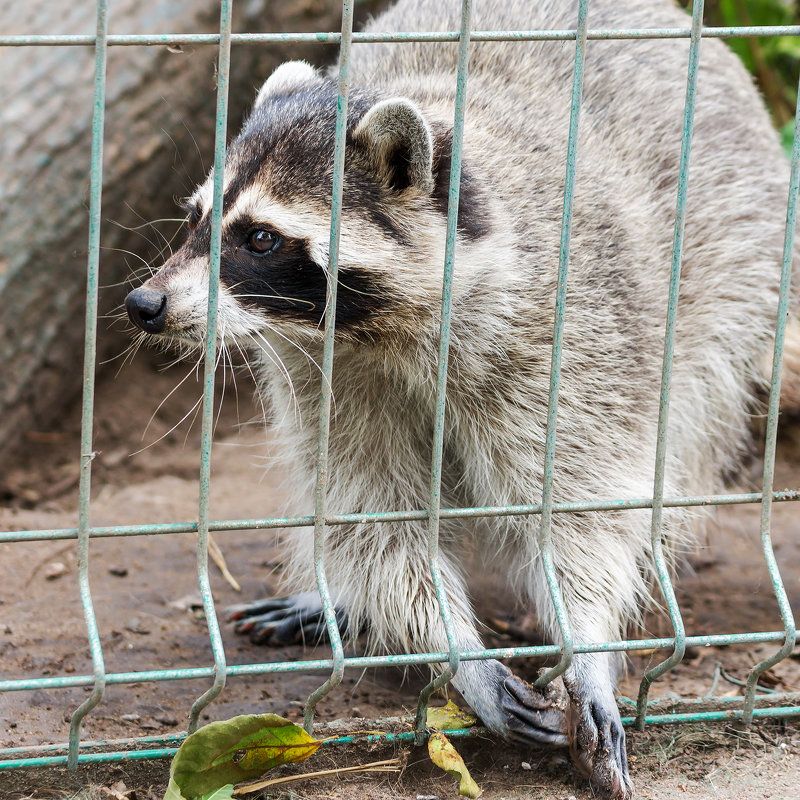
(147, 309)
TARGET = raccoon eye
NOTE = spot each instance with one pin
(193, 220)
(262, 242)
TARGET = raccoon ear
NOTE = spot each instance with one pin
(400, 143)
(286, 79)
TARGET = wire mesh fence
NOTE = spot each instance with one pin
(751, 705)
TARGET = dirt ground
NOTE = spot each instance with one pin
(145, 593)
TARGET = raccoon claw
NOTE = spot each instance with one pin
(534, 715)
(282, 621)
(597, 747)
(257, 607)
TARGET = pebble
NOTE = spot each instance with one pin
(55, 570)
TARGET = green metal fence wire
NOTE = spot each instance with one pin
(320, 492)
(87, 416)
(774, 704)
(545, 543)
(434, 498)
(217, 648)
(666, 376)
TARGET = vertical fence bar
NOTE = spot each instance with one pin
(321, 489)
(772, 435)
(89, 357)
(223, 73)
(434, 501)
(555, 363)
(666, 375)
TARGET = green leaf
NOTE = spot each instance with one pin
(444, 755)
(448, 717)
(233, 751)
(173, 792)
(223, 793)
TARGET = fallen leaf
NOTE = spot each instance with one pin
(448, 717)
(236, 750)
(444, 755)
(117, 790)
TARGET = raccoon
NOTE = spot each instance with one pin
(278, 178)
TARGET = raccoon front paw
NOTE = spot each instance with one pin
(511, 707)
(281, 621)
(597, 745)
(534, 715)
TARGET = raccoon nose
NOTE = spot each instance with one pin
(147, 309)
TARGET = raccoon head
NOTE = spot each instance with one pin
(276, 222)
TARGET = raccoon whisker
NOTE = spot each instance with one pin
(146, 222)
(196, 146)
(197, 408)
(279, 297)
(121, 354)
(186, 172)
(308, 357)
(181, 220)
(167, 396)
(194, 408)
(172, 239)
(223, 358)
(117, 314)
(183, 351)
(135, 275)
(357, 291)
(265, 347)
(167, 242)
(255, 382)
(139, 342)
(269, 296)
(128, 353)
(269, 351)
(228, 357)
(297, 346)
(145, 262)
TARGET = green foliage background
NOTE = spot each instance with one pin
(773, 61)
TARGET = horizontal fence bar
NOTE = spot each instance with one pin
(787, 495)
(88, 758)
(673, 701)
(389, 738)
(406, 659)
(555, 35)
(93, 744)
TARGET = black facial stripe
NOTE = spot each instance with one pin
(288, 284)
(472, 207)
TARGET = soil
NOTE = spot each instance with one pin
(145, 595)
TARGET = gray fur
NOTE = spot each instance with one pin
(502, 320)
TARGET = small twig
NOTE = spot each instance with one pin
(389, 765)
(219, 559)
